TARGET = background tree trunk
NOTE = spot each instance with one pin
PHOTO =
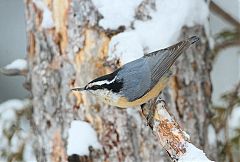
(73, 53)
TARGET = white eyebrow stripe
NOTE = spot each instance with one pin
(104, 82)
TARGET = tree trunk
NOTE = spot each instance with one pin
(73, 52)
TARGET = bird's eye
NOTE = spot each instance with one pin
(94, 87)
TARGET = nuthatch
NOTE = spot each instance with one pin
(138, 81)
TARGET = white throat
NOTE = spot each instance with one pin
(107, 96)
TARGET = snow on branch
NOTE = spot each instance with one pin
(174, 140)
(17, 67)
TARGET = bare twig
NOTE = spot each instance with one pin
(225, 44)
(13, 72)
(226, 16)
(17, 67)
(226, 39)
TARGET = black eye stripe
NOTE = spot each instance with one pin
(95, 87)
(115, 86)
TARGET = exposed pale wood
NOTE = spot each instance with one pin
(168, 132)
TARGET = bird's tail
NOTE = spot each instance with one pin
(164, 58)
(180, 47)
(177, 49)
(193, 39)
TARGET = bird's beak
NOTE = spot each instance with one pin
(78, 89)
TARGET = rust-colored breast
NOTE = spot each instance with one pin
(154, 92)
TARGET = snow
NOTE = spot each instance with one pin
(18, 126)
(211, 135)
(186, 135)
(119, 12)
(234, 122)
(161, 31)
(12, 104)
(8, 115)
(221, 136)
(15, 143)
(163, 112)
(7, 108)
(29, 152)
(8, 112)
(47, 20)
(4, 142)
(125, 46)
(19, 64)
(81, 137)
(193, 154)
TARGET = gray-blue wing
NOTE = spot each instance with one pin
(161, 61)
(141, 75)
(136, 78)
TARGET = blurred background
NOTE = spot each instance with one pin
(13, 46)
(225, 74)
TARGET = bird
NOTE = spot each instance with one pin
(137, 82)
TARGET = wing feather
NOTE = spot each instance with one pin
(136, 79)
(142, 74)
(161, 61)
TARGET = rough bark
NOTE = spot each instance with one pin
(73, 53)
(170, 135)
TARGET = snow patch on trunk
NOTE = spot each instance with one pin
(81, 137)
(116, 12)
(159, 32)
(47, 20)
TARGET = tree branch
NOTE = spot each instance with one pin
(225, 44)
(13, 72)
(174, 140)
(17, 67)
(226, 16)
